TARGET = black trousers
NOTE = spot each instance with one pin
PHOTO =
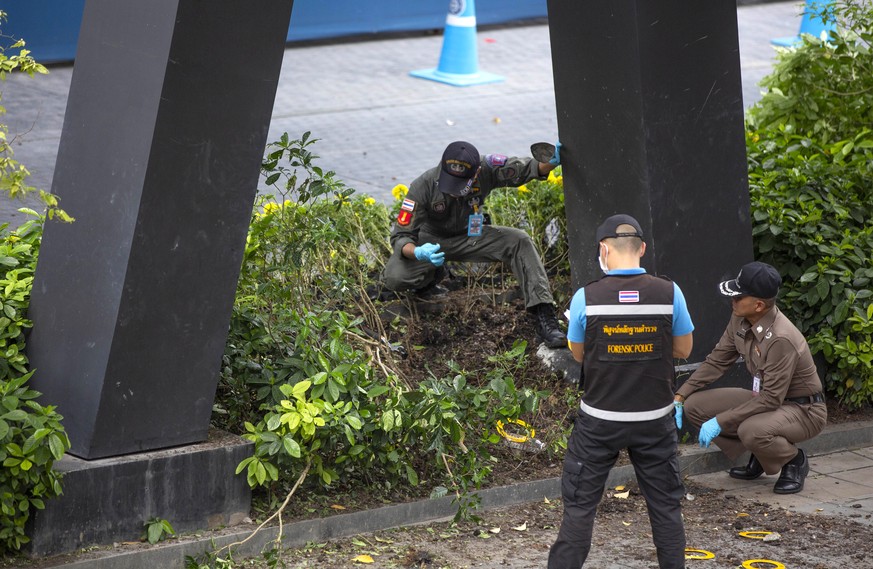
(591, 453)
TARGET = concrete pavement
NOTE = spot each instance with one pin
(839, 483)
(378, 126)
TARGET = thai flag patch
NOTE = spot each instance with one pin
(408, 205)
(628, 296)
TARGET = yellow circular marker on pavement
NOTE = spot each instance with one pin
(698, 554)
(753, 564)
(755, 534)
(514, 437)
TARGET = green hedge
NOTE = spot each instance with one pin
(810, 152)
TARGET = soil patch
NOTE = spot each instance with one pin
(519, 538)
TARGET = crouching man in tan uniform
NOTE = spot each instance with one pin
(785, 404)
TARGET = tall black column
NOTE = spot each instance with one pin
(165, 128)
(650, 115)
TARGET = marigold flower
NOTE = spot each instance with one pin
(399, 191)
(369, 201)
(523, 189)
(556, 179)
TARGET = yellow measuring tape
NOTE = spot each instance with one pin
(515, 438)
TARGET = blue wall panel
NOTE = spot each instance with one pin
(51, 27)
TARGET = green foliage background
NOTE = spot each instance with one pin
(810, 153)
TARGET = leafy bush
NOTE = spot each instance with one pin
(31, 435)
(810, 152)
(31, 439)
(313, 386)
(18, 254)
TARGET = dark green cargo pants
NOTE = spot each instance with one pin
(496, 244)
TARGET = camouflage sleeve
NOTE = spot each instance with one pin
(499, 171)
(412, 215)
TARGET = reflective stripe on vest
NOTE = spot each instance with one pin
(623, 417)
(628, 309)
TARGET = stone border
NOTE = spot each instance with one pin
(692, 461)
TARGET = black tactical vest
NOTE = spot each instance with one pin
(628, 348)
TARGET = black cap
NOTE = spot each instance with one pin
(609, 227)
(755, 279)
(457, 168)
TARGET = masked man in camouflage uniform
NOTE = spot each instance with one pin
(441, 220)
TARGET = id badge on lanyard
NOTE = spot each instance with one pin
(756, 385)
(474, 224)
(476, 220)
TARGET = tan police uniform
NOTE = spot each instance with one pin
(785, 404)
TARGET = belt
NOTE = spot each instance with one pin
(807, 399)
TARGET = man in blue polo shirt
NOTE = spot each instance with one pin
(625, 328)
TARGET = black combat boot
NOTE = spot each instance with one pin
(548, 329)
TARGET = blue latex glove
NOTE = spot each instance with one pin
(429, 252)
(708, 431)
(680, 408)
(556, 157)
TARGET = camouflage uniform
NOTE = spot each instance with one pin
(439, 218)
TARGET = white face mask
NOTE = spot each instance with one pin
(602, 259)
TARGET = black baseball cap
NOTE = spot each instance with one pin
(755, 279)
(457, 168)
(609, 228)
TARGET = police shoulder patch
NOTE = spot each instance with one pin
(404, 217)
(495, 159)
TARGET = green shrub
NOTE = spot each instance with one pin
(18, 254)
(31, 435)
(313, 386)
(810, 152)
(31, 439)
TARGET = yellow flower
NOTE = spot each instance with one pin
(369, 201)
(523, 189)
(555, 179)
(270, 207)
(399, 191)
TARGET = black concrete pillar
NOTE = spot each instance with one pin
(165, 128)
(650, 115)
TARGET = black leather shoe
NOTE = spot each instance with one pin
(793, 475)
(749, 472)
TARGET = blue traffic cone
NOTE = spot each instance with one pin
(810, 24)
(459, 58)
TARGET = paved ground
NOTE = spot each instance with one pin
(839, 483)
(378, 125)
